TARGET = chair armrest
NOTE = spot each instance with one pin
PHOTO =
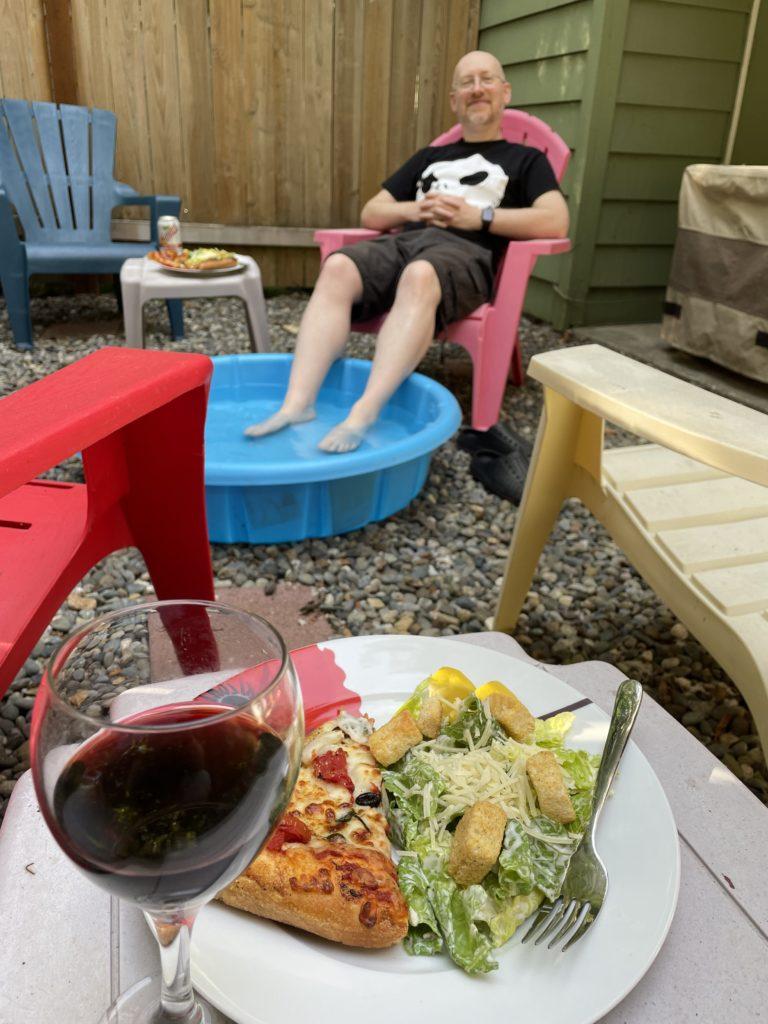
(659, 407)
(541, 246)
(159, 206)
(72, 409)
(11, 246)
(331, 239)
(519, 259)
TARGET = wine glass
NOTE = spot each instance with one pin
(166, 740)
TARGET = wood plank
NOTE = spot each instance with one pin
(224, 234)
(698, 548)
(61, 51)
(377, 61)
(318, 110)
(642, 129)
(726, 500)
(456, 45)
(641, 266)
(720, 5)
(547, 34)
(497, 12)
(403, 84)
(737, 590)
(196, 110)
(227, 101)
(640, 176)
(473, 25)
(642, 223)
(431, 104)
(617, 305)
(291, 121)
(557, 80)
(651, 465)
(260, 85)
(562, 117)
(664, 81)
(24, 68)
(161, 75)
(347, 108)
(683, 31)
(90, 25)
(133, 159)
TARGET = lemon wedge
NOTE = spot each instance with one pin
(490, 688)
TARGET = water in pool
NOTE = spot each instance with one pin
(228, 419)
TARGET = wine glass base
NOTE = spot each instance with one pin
(140, 1004)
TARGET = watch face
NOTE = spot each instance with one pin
(487, 216)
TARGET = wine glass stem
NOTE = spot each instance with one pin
(177, 999)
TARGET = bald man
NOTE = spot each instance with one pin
(458, 205)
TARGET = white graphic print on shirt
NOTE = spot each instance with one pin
(474, 178)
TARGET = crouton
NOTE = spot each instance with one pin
(547, 779)
(391, 741)
(515, 718)
(430, 716)
(476, 843)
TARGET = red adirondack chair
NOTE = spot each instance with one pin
(490, 333)
(137, 417)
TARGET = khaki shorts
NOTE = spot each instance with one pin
(464, 270)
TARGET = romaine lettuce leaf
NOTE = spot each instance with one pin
(527, 863)
(551, 732)
(503, 917)
(580, 766)
(473, 718)
(469, 947)
(423, 938)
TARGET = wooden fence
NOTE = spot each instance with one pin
(268, 119)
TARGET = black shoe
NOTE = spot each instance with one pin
(499, 440)
(502, 475)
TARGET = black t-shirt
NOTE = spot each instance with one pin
(495, 173)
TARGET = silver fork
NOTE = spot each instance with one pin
(586, 880)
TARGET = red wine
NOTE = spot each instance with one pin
(165, 819)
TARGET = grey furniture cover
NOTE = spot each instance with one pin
(717, 300)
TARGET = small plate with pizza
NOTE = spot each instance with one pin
(312, 930)
(201, 262)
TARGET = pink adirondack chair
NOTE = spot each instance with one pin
(138, 418)
(490, 333)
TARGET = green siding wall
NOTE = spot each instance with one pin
(543, 47)
(639, 89)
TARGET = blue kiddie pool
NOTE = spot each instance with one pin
(282, 487)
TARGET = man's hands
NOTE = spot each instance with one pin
(439, 210)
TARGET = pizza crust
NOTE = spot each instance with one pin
(347, 895)
(343, 888)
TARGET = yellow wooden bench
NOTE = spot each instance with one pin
(690, 511)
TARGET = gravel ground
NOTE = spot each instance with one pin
(433, 569)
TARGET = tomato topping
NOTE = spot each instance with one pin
(332, 767)
(290, 830)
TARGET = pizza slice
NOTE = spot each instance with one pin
(327, 868)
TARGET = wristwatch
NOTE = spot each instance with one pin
(486, 218)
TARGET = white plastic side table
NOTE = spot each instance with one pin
(143, 279)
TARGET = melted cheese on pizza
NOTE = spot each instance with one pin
(329, 810)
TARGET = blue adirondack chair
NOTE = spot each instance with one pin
(56, 171)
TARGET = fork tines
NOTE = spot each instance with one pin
(574, 917)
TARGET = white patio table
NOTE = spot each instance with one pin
(66, 951)
(142, 279)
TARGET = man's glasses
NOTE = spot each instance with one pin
(468, 83)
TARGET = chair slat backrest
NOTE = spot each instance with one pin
(57, 165)
(517, 126)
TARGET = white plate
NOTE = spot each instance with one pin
(259, 972)
(214, 272)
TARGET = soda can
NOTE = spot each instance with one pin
(169, 233)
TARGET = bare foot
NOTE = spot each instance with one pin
(279, 420)
(341, 439)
